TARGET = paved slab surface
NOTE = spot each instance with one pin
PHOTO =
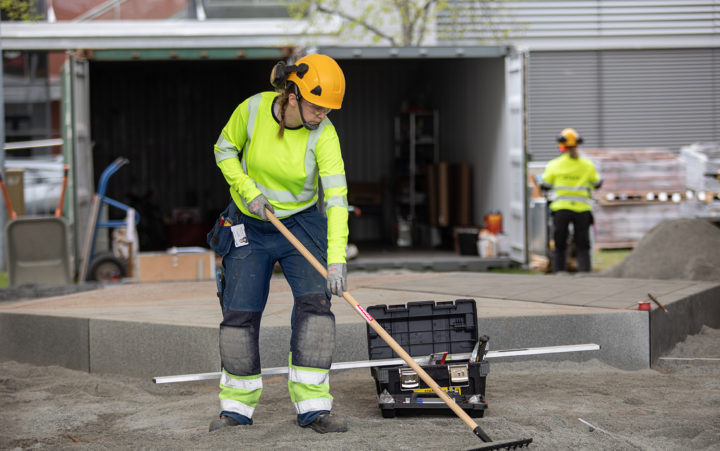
(171, 328)
(195, 303)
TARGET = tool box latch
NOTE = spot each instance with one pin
(458, 374)
(408, 379)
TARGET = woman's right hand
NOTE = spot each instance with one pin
(258, 205)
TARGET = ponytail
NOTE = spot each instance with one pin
(282, 100)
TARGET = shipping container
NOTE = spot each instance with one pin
(163, 108)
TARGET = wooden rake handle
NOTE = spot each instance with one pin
(381, 332)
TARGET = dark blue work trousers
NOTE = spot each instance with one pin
(581, 237)
(248, 268)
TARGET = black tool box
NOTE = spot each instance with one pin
(445, 336)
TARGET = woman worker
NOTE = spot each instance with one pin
(273, 151)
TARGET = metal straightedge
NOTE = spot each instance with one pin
(424, 360)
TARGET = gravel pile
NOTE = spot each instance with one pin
(687, 249)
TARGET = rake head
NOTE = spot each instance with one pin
(514, 444)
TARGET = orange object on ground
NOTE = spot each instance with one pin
(493, 223)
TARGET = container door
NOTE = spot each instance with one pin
(515, 108)
(77, 148)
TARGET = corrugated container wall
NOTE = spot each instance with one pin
(164, 116)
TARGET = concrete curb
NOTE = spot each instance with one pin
(147, 350)
(630, 339)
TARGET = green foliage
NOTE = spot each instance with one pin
(395, 22)
(514, 270)
(19, 10)
(607, 258)
(403, 22)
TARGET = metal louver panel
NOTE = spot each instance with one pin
(540, 23)
(623, 98)
(660, 98)
(562, 91)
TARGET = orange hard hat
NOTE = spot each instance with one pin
(320, 80)
(569, 138)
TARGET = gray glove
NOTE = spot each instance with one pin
(257, 207)
(337, 278)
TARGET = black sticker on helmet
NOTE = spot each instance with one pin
(302, 69)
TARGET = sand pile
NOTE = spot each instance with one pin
(687, 249)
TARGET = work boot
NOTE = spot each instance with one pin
(223, 421)
(328, 422)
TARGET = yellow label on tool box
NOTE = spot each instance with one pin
(445, 389)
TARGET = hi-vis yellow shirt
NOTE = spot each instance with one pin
(286, 170)
(571, 180)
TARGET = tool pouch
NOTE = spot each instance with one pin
(220, 238)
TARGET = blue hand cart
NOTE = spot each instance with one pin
(106, 266)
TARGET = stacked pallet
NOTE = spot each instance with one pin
(642, 187)
(702, 159)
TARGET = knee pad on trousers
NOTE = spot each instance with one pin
(313, 338)
(239, 342)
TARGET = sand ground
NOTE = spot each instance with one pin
(674, 406)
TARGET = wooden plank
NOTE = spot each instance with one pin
(616, 245)
(443, 180)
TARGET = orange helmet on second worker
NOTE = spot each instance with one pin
(321, 83)
(569, 138)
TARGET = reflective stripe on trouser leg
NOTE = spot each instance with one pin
(240, 394)
(240, 383)
(312, 345)
(309, 388)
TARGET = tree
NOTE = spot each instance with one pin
(19, 10)
(396, 22)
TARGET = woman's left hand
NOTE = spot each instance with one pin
(337, 278)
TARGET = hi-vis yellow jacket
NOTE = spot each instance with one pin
(571, 180)
(285, 170)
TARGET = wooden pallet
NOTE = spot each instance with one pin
(615, 245)
(607, 198)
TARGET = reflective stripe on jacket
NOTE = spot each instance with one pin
(285, 170)
(571, 180)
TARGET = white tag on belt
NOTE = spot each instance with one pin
(238, 231)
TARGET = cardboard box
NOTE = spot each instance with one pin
(176, 266)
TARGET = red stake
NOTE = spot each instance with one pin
(59, 210)
(13, 215)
